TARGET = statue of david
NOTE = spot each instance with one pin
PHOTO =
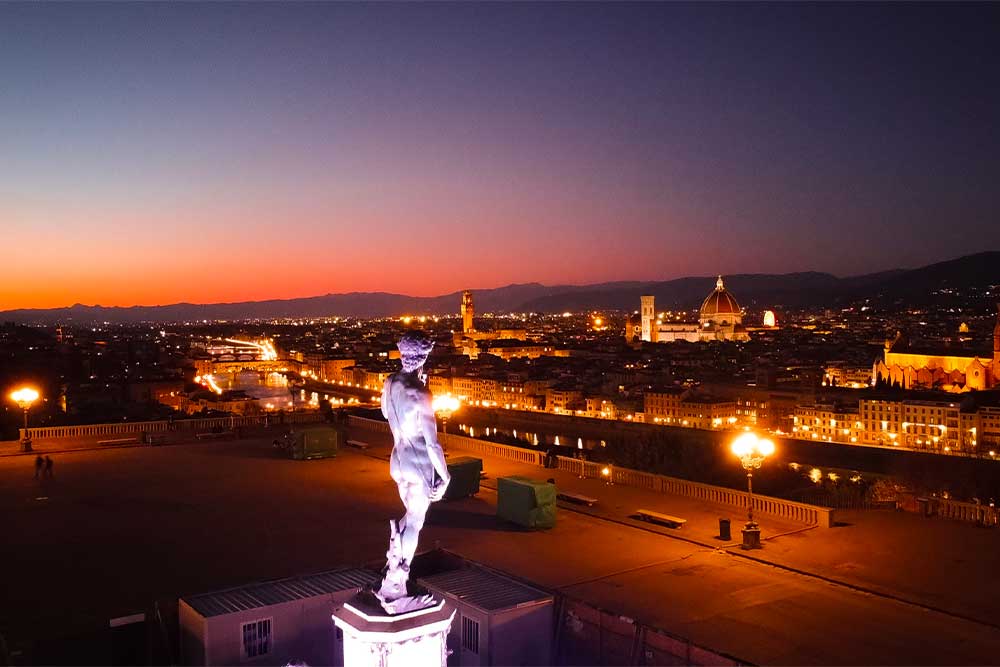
(417, 465)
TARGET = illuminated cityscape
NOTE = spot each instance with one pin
(655, 334)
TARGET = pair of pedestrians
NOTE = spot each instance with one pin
(43, 467)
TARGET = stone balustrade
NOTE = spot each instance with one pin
(132, 428)
(811, 515)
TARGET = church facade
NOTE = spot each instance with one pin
(719, 318)
(917, 368)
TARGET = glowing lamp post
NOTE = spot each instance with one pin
(445, 405)
(751, 452)
(24, 397)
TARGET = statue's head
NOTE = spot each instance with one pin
(414, 347)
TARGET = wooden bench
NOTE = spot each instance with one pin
(659, 517)
(211, 436)
(156, 438)
(119, 441)
(358, 444)
(577, 498)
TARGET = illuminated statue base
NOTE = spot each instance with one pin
(373, 638)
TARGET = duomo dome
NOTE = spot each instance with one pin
(720, 307)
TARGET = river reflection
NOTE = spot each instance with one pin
(270, 390)
(530, 439)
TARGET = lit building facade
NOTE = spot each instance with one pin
(917, 424)
(911, 368)
(846, 376)
(677, 406)
(720, 318)
(829, 423)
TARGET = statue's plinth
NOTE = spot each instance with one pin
(375, 638)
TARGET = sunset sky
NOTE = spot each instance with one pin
(155, 153)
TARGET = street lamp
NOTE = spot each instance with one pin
(24, 397)
(751, 450)
(445, 405)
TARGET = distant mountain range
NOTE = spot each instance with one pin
(916, 287)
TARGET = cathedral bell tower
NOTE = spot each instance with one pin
(648, 314)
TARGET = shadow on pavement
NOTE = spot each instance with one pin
(469, 519)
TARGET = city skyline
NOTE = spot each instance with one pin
(688, 313)
(211, 153)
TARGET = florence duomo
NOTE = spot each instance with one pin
(719, 318)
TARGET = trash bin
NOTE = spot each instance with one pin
(725, 534)
(465, 473)
(923, 506)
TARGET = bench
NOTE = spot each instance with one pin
(210, 436)
(358, 444)
(119, 441)
(659, 517)
(577, 498)
(156, 438)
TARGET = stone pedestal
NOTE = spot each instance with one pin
(751, 537)
(374, 638)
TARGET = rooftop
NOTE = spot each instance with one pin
(484, 589)
(263, 594)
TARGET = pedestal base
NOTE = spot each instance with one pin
(373, 638)
(751, 537)
(26, 445)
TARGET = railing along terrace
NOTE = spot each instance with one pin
(370, 424)
(786, 509)
(123, 428)
(508, 452)
(981, 514)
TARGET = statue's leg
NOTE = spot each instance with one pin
(404, 491)
(417, 504)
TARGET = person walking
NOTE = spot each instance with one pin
(39, 464)
(48, 466)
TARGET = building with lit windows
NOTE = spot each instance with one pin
(564, 398)
(508, 349)
(829, 422)
(912, 367)
(917, 424)
(681, 406)
(842, 375)
(479, 391)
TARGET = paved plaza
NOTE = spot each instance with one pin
(115, 529)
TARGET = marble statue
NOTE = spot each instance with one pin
(417, 466)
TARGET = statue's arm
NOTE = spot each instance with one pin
(428, 426)
(389, 412)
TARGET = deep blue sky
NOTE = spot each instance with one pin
(324, 146)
